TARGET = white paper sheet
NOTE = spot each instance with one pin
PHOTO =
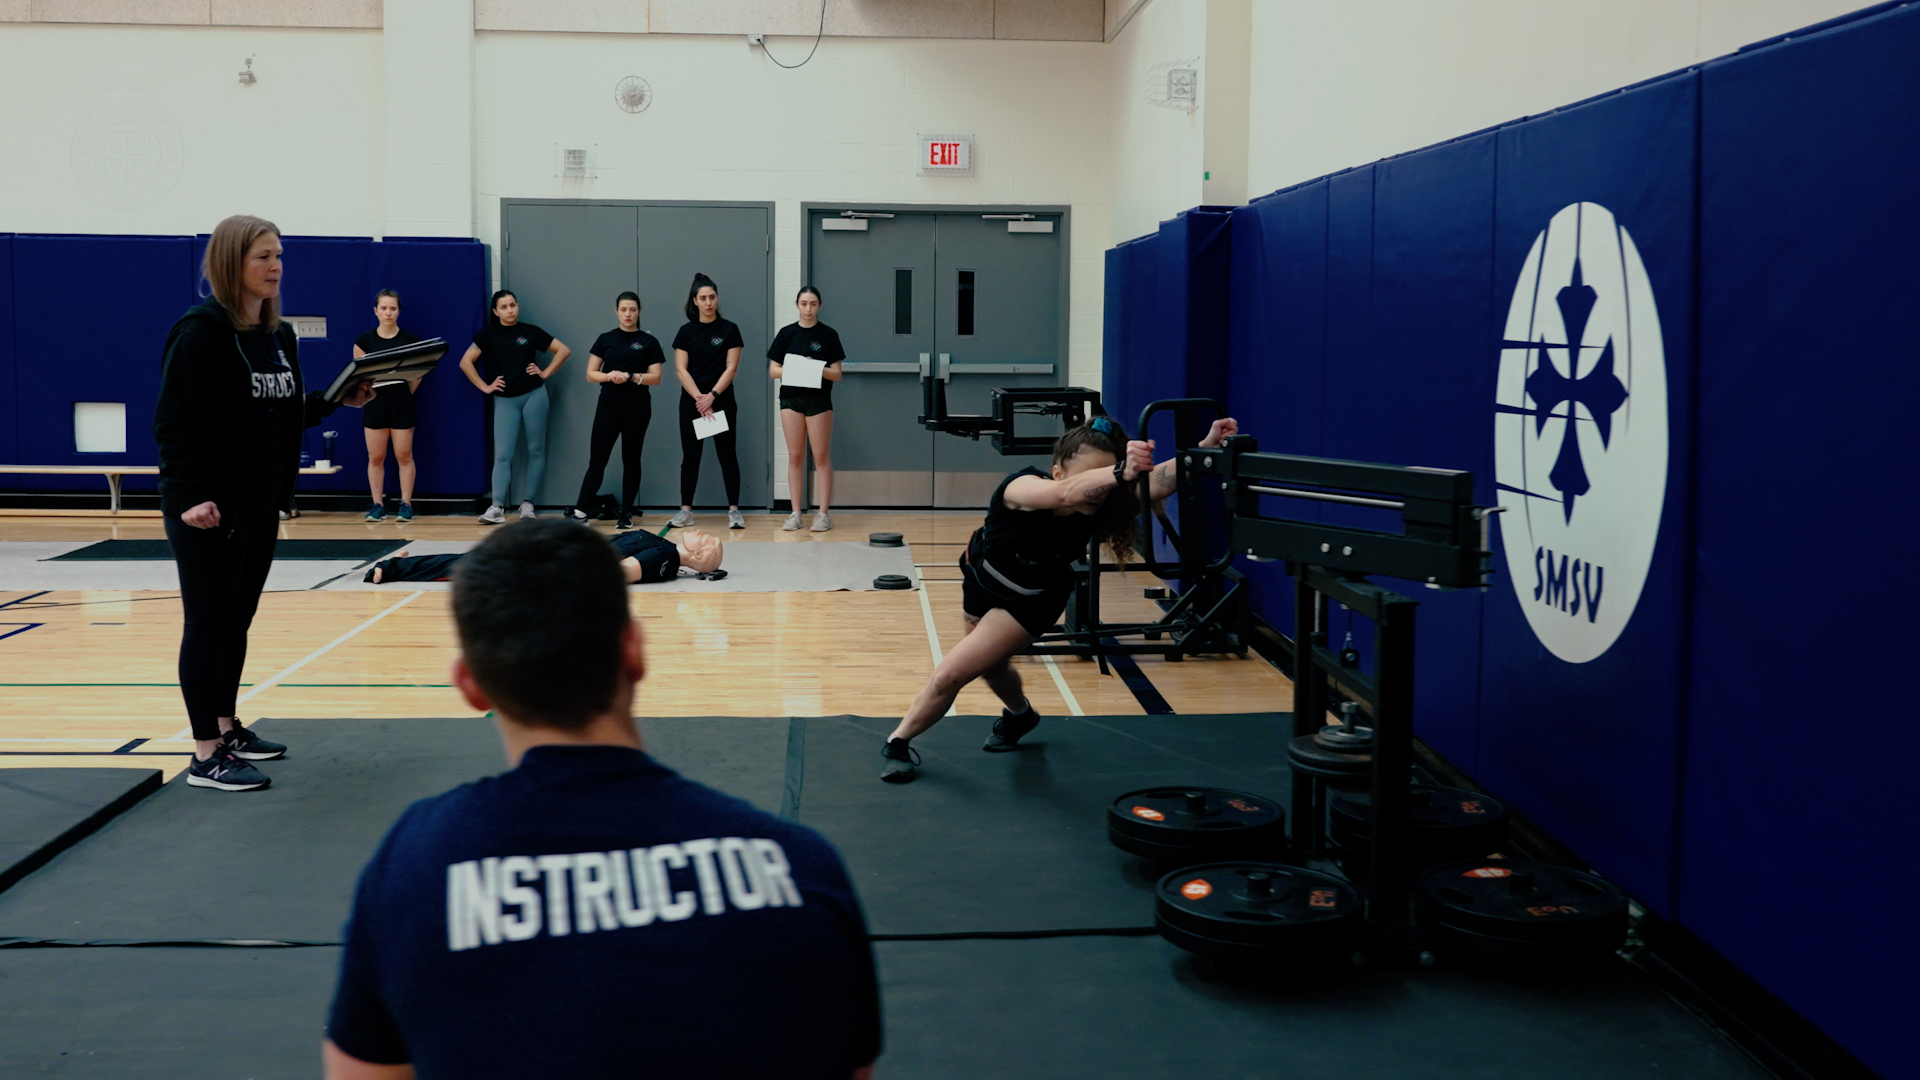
(801, 371)
(704, 428)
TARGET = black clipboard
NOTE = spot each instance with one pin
(404, 364)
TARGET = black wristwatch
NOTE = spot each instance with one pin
(1120, 473)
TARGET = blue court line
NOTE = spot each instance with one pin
(24, 627)
(25, 598)
(1137, 681)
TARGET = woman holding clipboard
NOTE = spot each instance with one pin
(806, 403)
(391, 412)
(706, 356)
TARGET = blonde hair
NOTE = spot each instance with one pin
(225, 265)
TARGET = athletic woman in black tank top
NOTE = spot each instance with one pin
(1018, 569)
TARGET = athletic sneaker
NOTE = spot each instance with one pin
(681, 520)
(526, 509)
(406, 512)
(821, 522)
(249, 746)
(1010, 729)
(735, 520)
(624, 521)
(793, 522)
(375, 512)
(574, 513)
(494, 515)
(902, 762)
(225, 772)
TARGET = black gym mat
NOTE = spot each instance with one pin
(45, 811)
(1138, 1007)
(164, 1014)
(1017, 842)
(286, 858)
(284, 551)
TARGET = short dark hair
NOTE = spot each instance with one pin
(385, 293)
(625, 296)
(540, 607)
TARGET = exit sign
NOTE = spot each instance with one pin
(946, 155)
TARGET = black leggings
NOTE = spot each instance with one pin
(622, 416)
(724, 444)
(222, 571)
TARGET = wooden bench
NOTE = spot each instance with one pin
(113, 473)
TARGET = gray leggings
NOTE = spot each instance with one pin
(509, 415)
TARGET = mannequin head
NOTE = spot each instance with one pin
(699, 551)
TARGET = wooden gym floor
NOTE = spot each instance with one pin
(97, 672)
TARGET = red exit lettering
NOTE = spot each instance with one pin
(943, 153)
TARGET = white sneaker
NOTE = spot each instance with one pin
(526, 509)
(793, 522)
(494, 515)
(735, 520)
(681, 520)
(821, 522)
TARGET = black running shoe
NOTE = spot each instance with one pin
(249, 746)
(224, 772)
(902, 762)
(625, 521)
(1010, 729)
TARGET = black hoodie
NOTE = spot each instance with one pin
(222, 438)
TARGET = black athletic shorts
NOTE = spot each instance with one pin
(806, 400)
(1036, 614)
(389, 409)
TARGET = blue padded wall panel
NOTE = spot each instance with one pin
(443, 293)
(1590, 749)
(55, 290)
(1125, 389)
(1113, 323)
(327, 276)
(9, 392)
(1418, 395)
(1808, 232)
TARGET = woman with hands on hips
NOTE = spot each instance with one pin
(515, 379)
(228, 422)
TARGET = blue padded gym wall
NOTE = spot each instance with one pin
(10, 408)
(443, 293)
(1797, 858)
(57, 294)
(1590, 749)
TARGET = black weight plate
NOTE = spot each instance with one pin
(1250, 909)
(1173, 824)
(1334, 766)
(892, 581)
(1520, 901)
(886, 539)
(1448, 823)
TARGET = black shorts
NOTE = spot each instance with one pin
(807, 401)
(391, 410)
(1036, 614)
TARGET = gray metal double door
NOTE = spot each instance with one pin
(933, 295)
(568, 260)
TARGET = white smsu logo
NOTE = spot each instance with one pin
(1580, 432)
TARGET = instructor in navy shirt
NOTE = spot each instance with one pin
(591, 912)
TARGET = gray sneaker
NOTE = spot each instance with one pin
(793, 522)
(494, 515)
(735, 520)
(681, 520)
(821, 522)
(225, 772)
(526, 509)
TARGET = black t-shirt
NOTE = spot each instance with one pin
(819, 341)
(371, 342)
(505, 352)
(632, 353)
(658, 557)
(498, 932)
(706, 346)
(276, 409)
(1028, 549)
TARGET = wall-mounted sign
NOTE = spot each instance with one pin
(946, 155)
(306, 326)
